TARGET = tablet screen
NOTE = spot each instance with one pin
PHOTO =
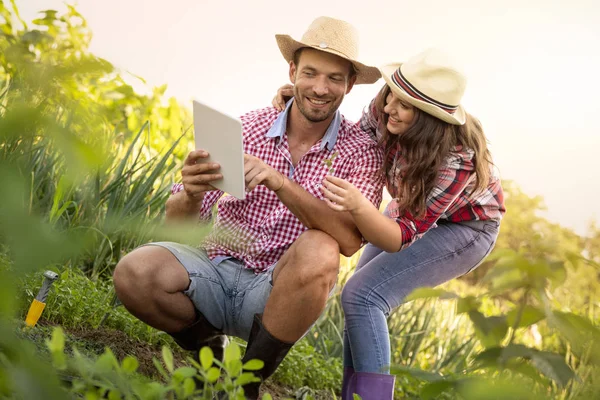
(221, 136)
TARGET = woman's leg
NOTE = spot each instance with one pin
(369, 253)
(381, 284)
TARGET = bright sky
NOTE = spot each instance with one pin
(532, 68)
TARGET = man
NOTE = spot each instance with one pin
(265, 272)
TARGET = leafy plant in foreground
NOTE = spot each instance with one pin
(106, 377)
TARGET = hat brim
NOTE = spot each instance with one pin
(458, 118)
(364, 73)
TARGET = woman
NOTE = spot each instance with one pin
(443, 219)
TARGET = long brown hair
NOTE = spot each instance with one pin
(425, 147)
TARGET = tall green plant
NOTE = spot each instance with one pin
(525, 283)
(56, 122)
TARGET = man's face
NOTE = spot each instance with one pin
(321, 80)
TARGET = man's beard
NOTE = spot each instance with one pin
(311, 115)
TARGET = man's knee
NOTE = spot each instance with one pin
(318, 258)
(139, 271)
(319, 246)
(128, 274)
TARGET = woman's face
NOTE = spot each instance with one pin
(401, 115)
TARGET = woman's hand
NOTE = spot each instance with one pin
(341, 195)
(284, 93)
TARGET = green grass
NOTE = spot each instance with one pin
(76, 301)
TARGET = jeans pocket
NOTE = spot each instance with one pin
(491, 227)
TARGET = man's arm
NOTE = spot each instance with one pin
(180, 207)
(314, 212)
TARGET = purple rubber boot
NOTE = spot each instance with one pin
(347, 389)
(371, 386)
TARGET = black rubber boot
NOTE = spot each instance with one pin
(263, 346)
(201, 334)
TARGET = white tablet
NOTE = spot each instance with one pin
(221, 136)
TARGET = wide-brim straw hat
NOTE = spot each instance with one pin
(432, 83)
(332, 36)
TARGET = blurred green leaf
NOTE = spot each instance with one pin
(189, 386)
(580, 332)
(467, 304)
(206, 357)
(254, 365)
(549, 364)
(500, 355)
(434, 389)
(234, 367)
(184, 372)
(529, 316)
(56, 345)
(553, 366)
(114, 394)
(213, 374)
(167, 356)
(232, 352)
(160, 369)
(505, 277)
(490, 330)
(106, 362)
(426, 293)
(496, 389)
(130, 364)
(245, 378)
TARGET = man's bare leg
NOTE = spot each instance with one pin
(302, 280)
(150, 282)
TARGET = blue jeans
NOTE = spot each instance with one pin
(225, 292)
(382, 281)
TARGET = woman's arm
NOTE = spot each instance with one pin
(376, 228)
(392, 234)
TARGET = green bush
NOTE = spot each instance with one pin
(304, 366)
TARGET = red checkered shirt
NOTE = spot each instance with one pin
(452, 198)
(260, 228)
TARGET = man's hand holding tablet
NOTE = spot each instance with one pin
(198, 175)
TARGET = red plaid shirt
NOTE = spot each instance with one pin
(259, 229)
(452, 198)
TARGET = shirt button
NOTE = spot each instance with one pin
(265, 237)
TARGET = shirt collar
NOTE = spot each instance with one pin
(329, 139)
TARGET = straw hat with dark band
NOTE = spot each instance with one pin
(430, 82)
(332, 36)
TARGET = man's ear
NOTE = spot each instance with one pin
(351, 83)
(292, 72)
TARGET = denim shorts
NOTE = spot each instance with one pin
(227, 294)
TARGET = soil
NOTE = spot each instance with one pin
(94, 341)
(122, 346)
